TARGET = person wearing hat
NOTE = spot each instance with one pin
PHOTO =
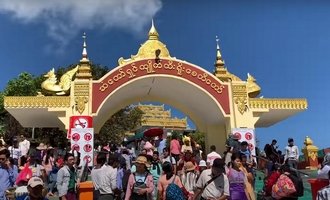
(186, 144)
(35, 188)
(291, 154)
(140, 184)
(213, 183)
(189, 177)
(202, 166)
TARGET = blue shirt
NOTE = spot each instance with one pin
(161, 146)
(6, 180)
(120, 176)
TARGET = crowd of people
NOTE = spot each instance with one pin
(153, 168)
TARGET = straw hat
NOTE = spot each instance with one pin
(42, 146)
(142, 160)
(189, 166)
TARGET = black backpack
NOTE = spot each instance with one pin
(298, 184)
(127, 173)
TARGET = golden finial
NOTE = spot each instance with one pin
(219, 61)
(153, 34)
(84, 52)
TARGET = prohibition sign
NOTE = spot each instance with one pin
(88, 136)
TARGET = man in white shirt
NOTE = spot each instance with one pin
(97, 174)
(108, 183)
(212, 156)
(291, 154)
(213, 183)
(24, 145)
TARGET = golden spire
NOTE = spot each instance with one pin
(220, 71)
(84, 69)
(219, 61)
(153, 34)
(84, 52)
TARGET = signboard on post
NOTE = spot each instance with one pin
(83, 140)
(248, 135)
(79, 122)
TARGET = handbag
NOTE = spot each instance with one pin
(283, 187)
(24, 175)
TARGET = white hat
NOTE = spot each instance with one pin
(35, 181)
(42, 146)
(202, 163)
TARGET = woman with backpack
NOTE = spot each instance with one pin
(140, 183)
(169, 185)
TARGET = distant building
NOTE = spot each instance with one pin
(157, 116)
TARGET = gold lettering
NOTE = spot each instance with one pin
(213, 85)
(204, 77)
(147, 68)
(110, 81)
(219, 90)
(158, 65)
(130, 73)
(103, 87)
(188, 70)
(169, 65)
(179, 69)
(122, 73)
(208, 81)
(194, 73)
(116, 78)
(134, 68)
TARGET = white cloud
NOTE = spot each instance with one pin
(66, 18)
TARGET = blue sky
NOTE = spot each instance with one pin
(284, 44)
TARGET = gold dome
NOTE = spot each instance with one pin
(308, 141)
(152, 48)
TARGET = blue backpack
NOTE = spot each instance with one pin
(174, 192)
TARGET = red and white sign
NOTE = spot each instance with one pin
(246, 134)
(79, 121)
(83, 139)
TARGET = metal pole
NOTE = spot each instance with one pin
(33, 133)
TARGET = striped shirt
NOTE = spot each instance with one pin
(324, 193)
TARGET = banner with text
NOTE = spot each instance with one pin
(82, 139)
(248, 135)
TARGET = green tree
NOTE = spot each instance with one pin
(23, 85)
(199, 138)
(125, 120)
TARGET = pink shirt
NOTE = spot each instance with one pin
(175, 147)
(131, 180)
(163, 183)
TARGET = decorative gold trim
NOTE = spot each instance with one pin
(80, 103)
(36, 102)
(81, 89)
(296, 104)
(241, 104)
(240, 97)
